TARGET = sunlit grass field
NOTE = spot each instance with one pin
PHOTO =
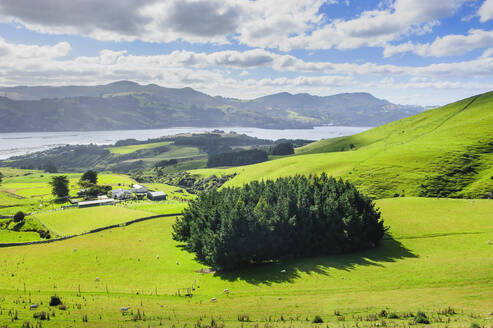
(438, 256)
(79, 220)
(131, 148)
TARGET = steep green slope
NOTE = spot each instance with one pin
(446, 152)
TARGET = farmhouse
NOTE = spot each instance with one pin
(138, 189)
(100, 202)
(121, 194)
(156, 195)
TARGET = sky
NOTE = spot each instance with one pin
(419, 52)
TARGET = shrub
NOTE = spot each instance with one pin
(19, 216)
(474, 325)
(55, 301)
(44, 234)
(383, 314)
(393, 315)
(317, 319)
(421, 318)
(264, 221)
(62, 307)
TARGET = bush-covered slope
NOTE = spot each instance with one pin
(447, 152)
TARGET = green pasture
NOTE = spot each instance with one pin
(122, 150)
(436, 258)
(7, 236)
(451, 145)
(78, 220)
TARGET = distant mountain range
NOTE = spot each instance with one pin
(129, 105)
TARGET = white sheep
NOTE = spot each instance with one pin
(125, 309)
(213, 299)
(33, 306)
(283, 271)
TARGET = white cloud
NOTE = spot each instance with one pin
(485, 12)
(217, 72)
(376, 28)
(449, 45)
(283, 24)
(22, 51)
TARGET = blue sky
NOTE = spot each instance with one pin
(426, 52)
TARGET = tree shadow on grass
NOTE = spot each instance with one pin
(389, 250)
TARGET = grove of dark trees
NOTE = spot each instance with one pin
(237, 158)
(283, 148)
(264, 221)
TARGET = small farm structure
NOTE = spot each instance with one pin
(138, 189)
(156, 195)
(121, 194)
(100, 202)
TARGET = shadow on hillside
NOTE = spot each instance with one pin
(389, 250)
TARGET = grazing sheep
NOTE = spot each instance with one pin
(213, 299)
(283, 271)
(33, 306)
(97, 279)
(226, 291)
(489, 242)
(124, 309)
(75, 249)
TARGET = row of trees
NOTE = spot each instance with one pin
(264, 221)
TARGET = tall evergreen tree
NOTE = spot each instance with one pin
(90, 176)
(59, 186)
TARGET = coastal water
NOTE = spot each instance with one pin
(15, 144)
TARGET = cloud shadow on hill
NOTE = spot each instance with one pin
(389, 250)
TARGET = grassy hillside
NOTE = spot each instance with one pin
(446, 152)
(423, 268)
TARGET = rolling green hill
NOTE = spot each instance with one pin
(446, 152)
